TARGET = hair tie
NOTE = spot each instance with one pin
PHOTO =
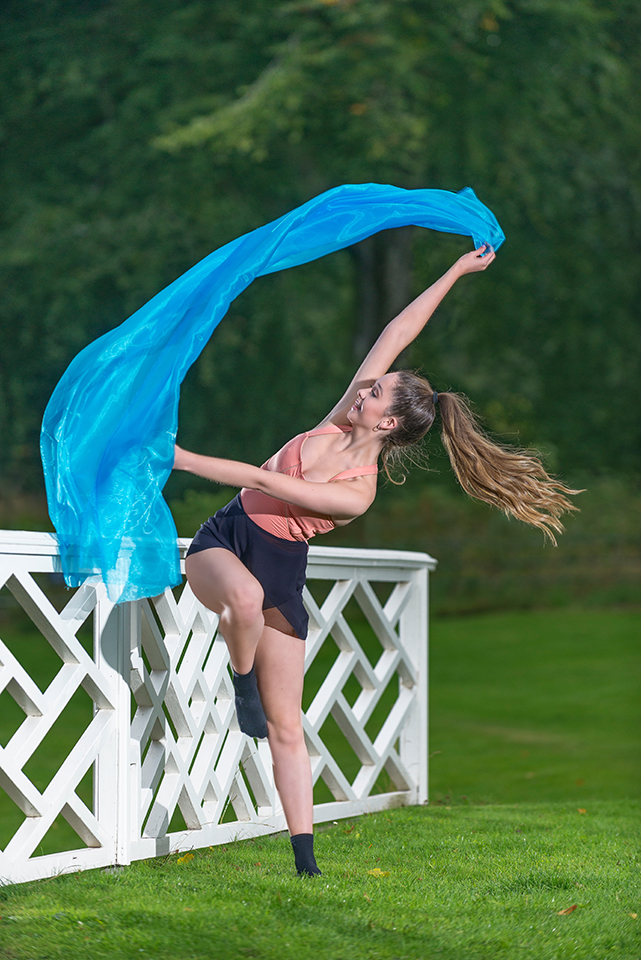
(435, 398)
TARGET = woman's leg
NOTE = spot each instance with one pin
(280, 667)
(223, 584)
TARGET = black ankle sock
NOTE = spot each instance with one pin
(303, 845)
(249, 709)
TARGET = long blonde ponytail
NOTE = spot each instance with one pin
(506, 477)
(511, 479)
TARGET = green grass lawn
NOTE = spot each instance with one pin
(461, 883)
(536, 706)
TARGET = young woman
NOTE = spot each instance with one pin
(247, 563)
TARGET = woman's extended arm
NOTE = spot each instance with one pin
(403, 329)
(341, 499)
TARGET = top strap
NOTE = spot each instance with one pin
(328, 428)
(367, 471)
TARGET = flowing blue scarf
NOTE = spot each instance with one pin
(109, 429)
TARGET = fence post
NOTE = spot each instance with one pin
(414, 637)
(112, 628)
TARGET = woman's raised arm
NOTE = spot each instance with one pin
(403, 329)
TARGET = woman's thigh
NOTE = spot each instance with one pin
(220, 580)
(280, 670)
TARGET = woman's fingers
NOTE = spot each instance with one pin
(478, 259)
(485, 259)
(485, 253)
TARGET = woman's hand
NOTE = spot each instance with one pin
(475, 260)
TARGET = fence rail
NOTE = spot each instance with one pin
(161, 740)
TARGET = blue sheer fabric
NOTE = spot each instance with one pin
(109, 429)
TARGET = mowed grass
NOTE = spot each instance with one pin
(458, 883)
(542, 705)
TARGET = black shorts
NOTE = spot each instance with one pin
(278, 565)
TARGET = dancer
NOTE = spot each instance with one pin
(247, 563)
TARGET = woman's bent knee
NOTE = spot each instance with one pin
(243, 604)
(225, 588)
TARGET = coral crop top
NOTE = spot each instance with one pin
(285, 520)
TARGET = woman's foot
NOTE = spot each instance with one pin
(249, 709)
(303, 846)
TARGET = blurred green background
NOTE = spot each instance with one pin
(138, 135)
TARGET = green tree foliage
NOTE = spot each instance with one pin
(137, 135)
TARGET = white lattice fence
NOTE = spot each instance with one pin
(145, 702)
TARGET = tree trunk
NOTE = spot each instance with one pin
(383, 265)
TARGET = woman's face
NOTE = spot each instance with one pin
(371, 404)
